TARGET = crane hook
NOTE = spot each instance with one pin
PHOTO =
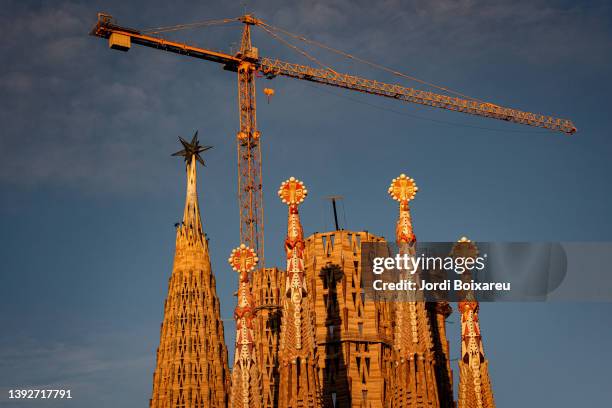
(269, 92)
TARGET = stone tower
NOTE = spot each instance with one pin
(246, 379)
(474, 382)
(354, 332)
(268, 291)
(299, 376)
(415, 379)
(191, 369)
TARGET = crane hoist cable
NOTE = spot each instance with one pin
(208, 23)
(297, 49)
(265, 25)
(179, 27)
(443, 122)
(420, 117)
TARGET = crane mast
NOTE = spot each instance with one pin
(247, 62)
(250, 193)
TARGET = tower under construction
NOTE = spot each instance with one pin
(191, 369)
(308, 336)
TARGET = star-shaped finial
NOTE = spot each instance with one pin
(192, 148)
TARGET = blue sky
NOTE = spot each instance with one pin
(89, 193)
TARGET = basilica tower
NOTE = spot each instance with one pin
(415, 375)
(246, 378)
(354, 331)
(474, 383)
(299, 376)
(191, 369)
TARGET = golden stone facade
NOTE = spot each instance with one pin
(268, 287)
(308, 336)
(354, 335)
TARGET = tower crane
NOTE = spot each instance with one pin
(247, 63)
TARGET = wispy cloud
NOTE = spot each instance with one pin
(527, 28)
(75, 114)
(85, 369)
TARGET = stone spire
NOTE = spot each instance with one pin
(246, 379)
(474, 383)
(299, 379)
(191, 369)
(191, 214)
(403, 189)
(413, 381)
(191, 152)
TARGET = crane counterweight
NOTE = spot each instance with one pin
(118, 41)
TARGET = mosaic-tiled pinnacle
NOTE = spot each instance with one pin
(413, 381)
(474, 383)
(246, 378)
(299, 376)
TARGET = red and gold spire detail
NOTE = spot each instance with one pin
(293, 192)
(414, 378)
(403, 189)
(474, 383)
(246, 379)
(299, 373)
